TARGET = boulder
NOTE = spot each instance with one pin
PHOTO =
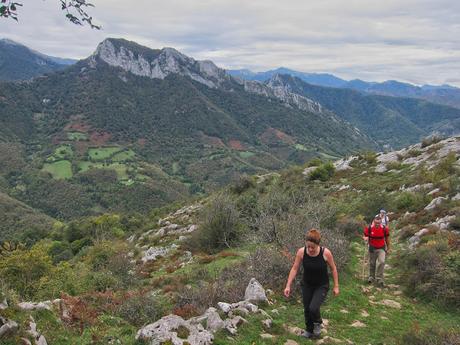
(435, 202)
(7, 327)
(28, 306)
(225, 307)
(166, 329)
(255, 292)
(4, 304)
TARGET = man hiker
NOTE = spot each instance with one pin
(384, 217)
(377, 237)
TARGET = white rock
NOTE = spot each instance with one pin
(435, 202)
(7, 327)
(46, 305)
(255, 292)
(165, 329)
(434, 191)
(267, 323)
(390, 303)
(4, 304)
(225, 307)
(358, 324)
(456, 197)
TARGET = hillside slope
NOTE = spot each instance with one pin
(118, 281)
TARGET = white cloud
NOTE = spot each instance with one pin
(408, 40)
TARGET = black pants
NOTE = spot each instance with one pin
(313, 297)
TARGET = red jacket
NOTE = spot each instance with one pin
(377, 235)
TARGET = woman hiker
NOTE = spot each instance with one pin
(315, 282)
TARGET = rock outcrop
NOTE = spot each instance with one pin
(199, 330)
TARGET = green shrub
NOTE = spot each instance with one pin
(394, 165)
(369, 157)
(434, 335)
(446, 167)
(314, 162)
(139, 310)
(22, 269)
(243, 183)
(430, 141)
(433, 271)
(323, 172)
(219, 226)
(414, 153)
(407, 201)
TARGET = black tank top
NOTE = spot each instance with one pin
(315, 269)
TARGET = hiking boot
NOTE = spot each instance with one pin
(380, 283)
(317, 329)
(370, 280)
(307, 334)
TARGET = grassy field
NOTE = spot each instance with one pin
(123, 156)
(120, 168)
(77, 136)
(59, 170)
(246, 154)
(102, 153)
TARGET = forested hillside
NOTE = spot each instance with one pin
(100, 137)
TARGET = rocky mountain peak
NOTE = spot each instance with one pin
(151, 63)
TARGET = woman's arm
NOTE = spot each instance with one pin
(293, 272)
(330, 261)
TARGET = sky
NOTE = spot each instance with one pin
(415, 41)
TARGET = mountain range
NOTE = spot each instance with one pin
(130, 128)
(18, 62)
(441, 94)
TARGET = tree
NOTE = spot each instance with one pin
(75, 11)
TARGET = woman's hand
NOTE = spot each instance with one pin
(287, 291)
(336, 290)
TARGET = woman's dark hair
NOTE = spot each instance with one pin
(313, 235)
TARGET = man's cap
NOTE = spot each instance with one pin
(383, 211)
(377, 216)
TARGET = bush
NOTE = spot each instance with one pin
(433, 271)
(434, 335)
(139, 310)
(243, 183)
(369, 157)
(314, 162)
(394, 165)
(219, 227)
(323, 172)
(407, 201)
(22, 269)
(430, 141)
(446, 167)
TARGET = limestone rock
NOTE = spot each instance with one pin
(4, 304)
(291, 342)
(293, 330)
(358, 324)
(214, 321)
(7, 327)
(390, 303)
(267, 323)
(225, 307)
(255, 292)
(28, 306)
(166, 329)
(435, 202)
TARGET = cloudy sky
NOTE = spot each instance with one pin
(416, 41)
